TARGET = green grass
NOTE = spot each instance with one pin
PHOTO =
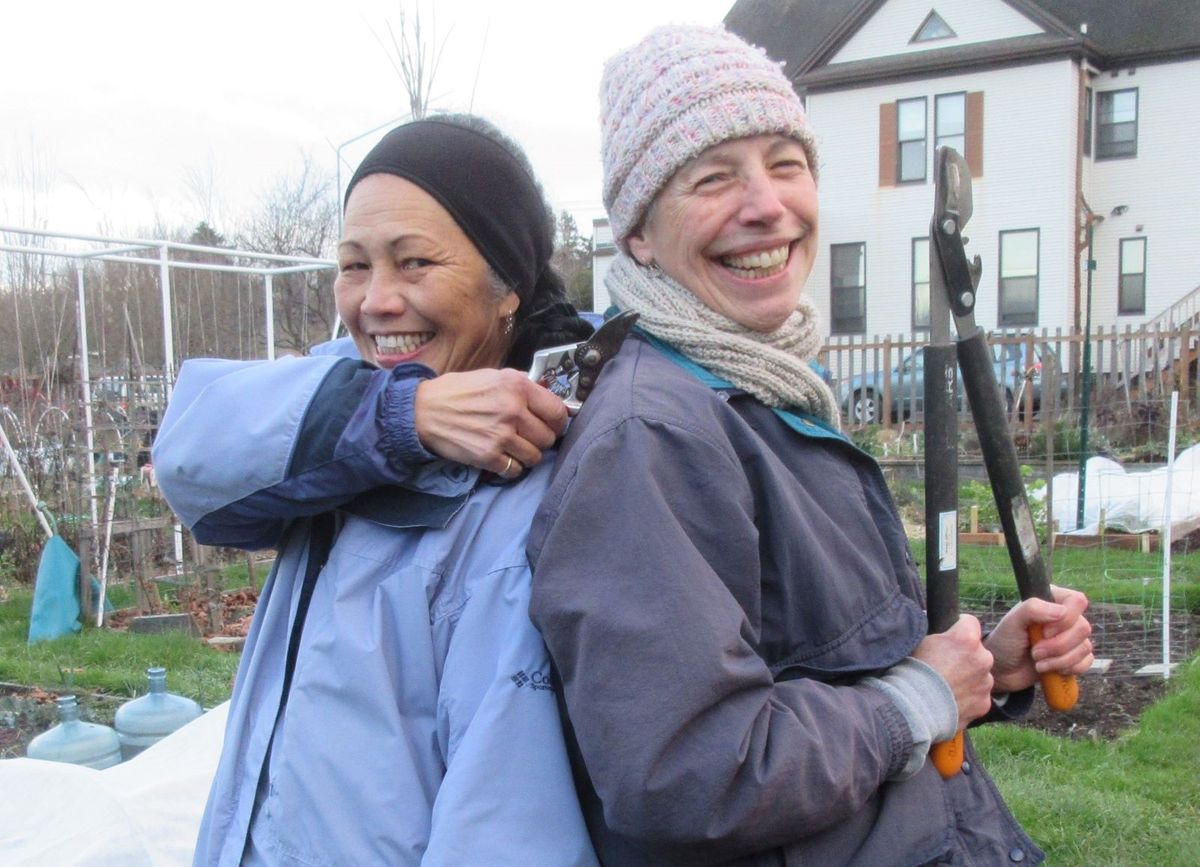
(1105, 575)
(1134, 801)
(107, 661)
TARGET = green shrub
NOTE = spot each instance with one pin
(979, 494)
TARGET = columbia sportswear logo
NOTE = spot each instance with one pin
(535, 680)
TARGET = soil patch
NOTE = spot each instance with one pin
(1110, 703)
(234, 610)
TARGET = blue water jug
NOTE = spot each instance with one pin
(143, 721)
(75, 741)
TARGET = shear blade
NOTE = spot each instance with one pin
(954, 193)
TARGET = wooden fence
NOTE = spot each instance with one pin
(879, 380)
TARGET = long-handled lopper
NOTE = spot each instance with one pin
(952, 284)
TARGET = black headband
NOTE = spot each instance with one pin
(485, 188)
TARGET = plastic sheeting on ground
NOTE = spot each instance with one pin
(141, 813)
(1131, 501)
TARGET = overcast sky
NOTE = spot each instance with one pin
(121, 110)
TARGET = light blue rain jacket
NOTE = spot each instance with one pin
(421, 724)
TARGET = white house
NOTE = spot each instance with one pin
(603, 251)
(1062, 108)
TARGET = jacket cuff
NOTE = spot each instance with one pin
(1014, 707)
(927, 704)
(398, 420)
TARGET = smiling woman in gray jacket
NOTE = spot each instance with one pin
(721, 577)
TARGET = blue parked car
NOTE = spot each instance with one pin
(596, 319)
(861, 396)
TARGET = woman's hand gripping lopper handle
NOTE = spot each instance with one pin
(941, 515)
(1061, 690)
(991, 423)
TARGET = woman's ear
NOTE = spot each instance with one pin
(508, 305)
(640, 249)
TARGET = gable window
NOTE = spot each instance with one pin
(910, 140)
(1019, 252)
(933, 27)
(1087, 121)
(950, 121)
(848, 288)
(1116, 123)
(920, 284)
(1131, 291)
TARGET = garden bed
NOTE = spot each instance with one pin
(1111, 702)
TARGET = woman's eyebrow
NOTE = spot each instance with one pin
(711, 161)
(782, 143)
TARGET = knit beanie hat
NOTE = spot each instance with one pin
(677, 93)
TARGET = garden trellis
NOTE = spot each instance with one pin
(100, 265)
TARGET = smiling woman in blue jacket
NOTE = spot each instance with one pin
(394, 704)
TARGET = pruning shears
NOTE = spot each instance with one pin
(571, 370)
(952, 292)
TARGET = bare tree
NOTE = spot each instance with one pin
(25, 335)
(415, 58)
(298, 216)
(202, 185)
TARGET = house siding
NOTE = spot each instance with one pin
(604, 250)
(1158, 187)
(1029, 141)
(887, 32)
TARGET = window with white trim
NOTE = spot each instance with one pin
(905, 130)
(848, 288)
(920, 284)
(910, 140)
(1019, 272)
(950, 121)
(1116, 123)
(933, 27)
(1131, 284)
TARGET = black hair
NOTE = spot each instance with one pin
(548, 318)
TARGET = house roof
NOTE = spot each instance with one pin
(805, 34)
(1123, 29)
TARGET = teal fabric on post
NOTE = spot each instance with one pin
(56, 594)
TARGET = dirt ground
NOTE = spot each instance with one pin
(1109, 703)
(234, 614)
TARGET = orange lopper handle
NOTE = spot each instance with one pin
(1061, 690)
(947, 756)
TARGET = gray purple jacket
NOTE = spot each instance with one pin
(714, 584)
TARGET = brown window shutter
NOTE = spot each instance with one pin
(974, 152)
(887, 144)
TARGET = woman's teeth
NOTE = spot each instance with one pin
(761, 264)
(401, 344)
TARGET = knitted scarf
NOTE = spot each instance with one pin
(774, 367)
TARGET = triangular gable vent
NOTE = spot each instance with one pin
(934, 27)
